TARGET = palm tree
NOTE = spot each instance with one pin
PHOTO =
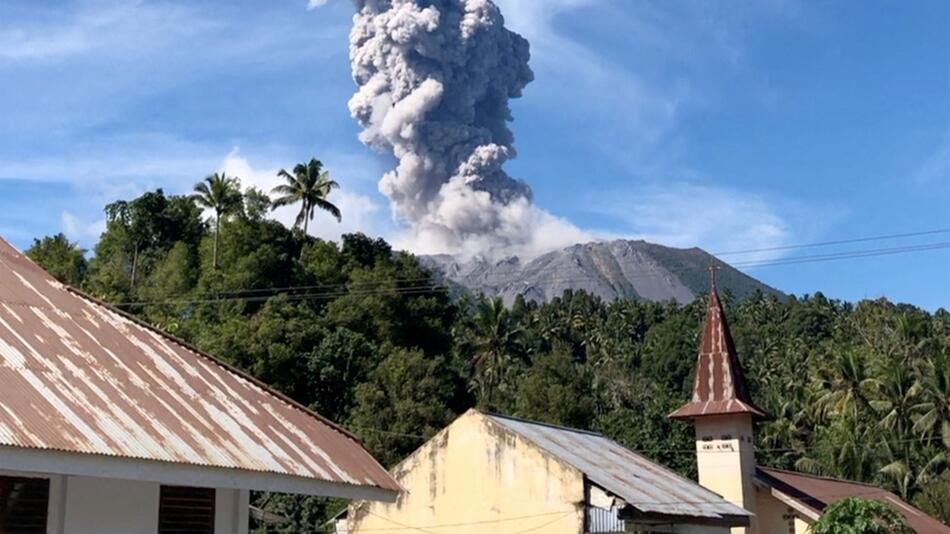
(934, 409)
(222, 194)
(495, 345)
(310, 185)
(846, 383)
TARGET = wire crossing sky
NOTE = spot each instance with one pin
(752, 125)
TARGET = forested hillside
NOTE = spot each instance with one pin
(367, 337)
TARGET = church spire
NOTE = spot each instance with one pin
(719, 387)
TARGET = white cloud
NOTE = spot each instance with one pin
(937, 166)
(716, 219)
(101, 27)
(80, 230)
(314, 4)
(360, 212)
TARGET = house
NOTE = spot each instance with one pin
(724, 417)
(489, 473)
(109, 425)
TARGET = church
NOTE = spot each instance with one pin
(724, 416)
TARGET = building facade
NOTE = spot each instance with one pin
(724, 417)
(109, 425)
(492, 474)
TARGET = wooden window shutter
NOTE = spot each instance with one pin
(184, 510)
(24, 504)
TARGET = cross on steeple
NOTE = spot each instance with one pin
(713, 269)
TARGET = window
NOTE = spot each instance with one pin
(183, 510)
(23, 505)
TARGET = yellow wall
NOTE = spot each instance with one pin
(725, 461)
(776, 517)
(475, 477)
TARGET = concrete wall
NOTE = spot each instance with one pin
(481, 479)
(101, 505)
(725, 461)
(89, 505)
(477, 477)
(776, 517)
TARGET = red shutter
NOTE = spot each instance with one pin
(184, 510)
(24, 503)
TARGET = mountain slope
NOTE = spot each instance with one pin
(611, 270)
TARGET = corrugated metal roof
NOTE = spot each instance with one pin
(719, 386)
(641, 483)
(79, 376)
(817, 492)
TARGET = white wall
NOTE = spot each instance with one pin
(96, 505)
(89, 505)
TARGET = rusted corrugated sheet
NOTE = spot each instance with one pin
(78, 376)
(818, 492)
(719, 386)
(641, 483)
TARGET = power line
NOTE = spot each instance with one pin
(438, 287)
(870, 491)
(867, 446)
(845, 255)
(837, 242)
(336, 287)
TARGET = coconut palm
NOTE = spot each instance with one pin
(309, 185)
(495, 345)
(934, 409)
(222, 194)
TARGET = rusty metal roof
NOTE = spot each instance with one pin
(817, 492)
(719, 386)
(79, 376)
(644, 485)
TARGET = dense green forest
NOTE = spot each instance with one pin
(369, 338)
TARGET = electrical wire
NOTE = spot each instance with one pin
(838, 242)
(438, 287)
(238, 293)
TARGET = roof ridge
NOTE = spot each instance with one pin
(542, 423)
(821, 477)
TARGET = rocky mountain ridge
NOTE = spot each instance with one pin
(619, 269)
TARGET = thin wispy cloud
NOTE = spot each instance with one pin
(102, 28)
(936, 168)
(718, 219)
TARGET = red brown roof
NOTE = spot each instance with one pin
(817, 492)
(719, 386)
(81, 377)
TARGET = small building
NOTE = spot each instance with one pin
(721, 408)
(493, 474)
(110, 425)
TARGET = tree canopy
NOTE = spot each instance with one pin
(860, 516)
(369, 337)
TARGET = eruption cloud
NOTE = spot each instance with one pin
(435, 78)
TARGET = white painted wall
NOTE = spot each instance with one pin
(95, 505)
(90, 505)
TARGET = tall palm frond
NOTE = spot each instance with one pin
(221, 194)
(310, 186)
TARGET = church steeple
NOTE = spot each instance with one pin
(722, 412)
(719, 387)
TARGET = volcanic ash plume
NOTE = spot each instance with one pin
(435, 77)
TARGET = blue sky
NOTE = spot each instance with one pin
(726, 125)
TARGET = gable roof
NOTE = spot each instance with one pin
(817, 492)
(644, 485)
(719, 386)
(81, 377)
